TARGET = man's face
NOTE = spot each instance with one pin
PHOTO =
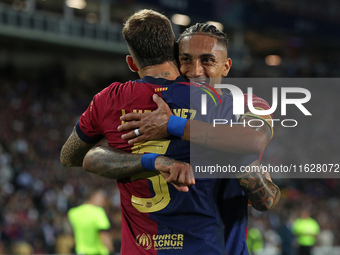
(203, 57)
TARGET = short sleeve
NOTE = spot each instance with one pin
(88, 126)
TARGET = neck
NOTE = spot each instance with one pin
(91, 202)
(167, 70)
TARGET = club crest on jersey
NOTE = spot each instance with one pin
(161, 89)
(148, 204)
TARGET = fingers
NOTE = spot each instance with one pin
(138, 139)
(129, 126)
(159, 101)
(186, 177)
(190, 177)
(131, 116)
(181, 175)
(129, 135)
(181, 188)
(133, 138)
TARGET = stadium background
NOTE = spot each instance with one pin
(54, 58)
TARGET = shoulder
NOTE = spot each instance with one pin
(114, 86)
(72, 212)
(113, 90)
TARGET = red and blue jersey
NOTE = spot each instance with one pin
(157, 219)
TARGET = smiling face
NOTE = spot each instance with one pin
(202, 56)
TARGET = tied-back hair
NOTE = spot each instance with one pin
(207, 30)
(150, 38)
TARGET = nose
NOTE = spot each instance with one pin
(196, 70)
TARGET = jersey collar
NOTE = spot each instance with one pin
(161, 81)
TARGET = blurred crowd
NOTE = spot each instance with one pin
(36, 192)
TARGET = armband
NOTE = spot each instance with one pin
(148, 161)
(176, 126)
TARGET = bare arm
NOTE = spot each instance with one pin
(112, 163)
(108, 162)
(74, 150)
(261, 191)
(236, 139)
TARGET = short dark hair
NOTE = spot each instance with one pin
(150, 38)
(205, 29)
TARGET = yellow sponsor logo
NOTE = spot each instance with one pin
(160, 242)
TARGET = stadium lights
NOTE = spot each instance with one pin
(273, 60)
(218, 25)
(180, 19)
(76, 4)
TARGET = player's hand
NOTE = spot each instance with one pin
(151, 125)
(178, 173)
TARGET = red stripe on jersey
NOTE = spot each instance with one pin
(134, 239)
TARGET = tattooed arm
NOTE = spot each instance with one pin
(112, 163)
(261, 191)
(74, 150)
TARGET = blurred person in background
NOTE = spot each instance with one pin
(287, 236)
(306, 230)
(22, 248)
(91, 225)
(254, 241)
(325, 239)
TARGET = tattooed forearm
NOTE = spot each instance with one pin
(262, 192)
(73, 151)
(112, 163)
(168, 161)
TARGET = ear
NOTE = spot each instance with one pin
(131, 64)
(227, 65)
